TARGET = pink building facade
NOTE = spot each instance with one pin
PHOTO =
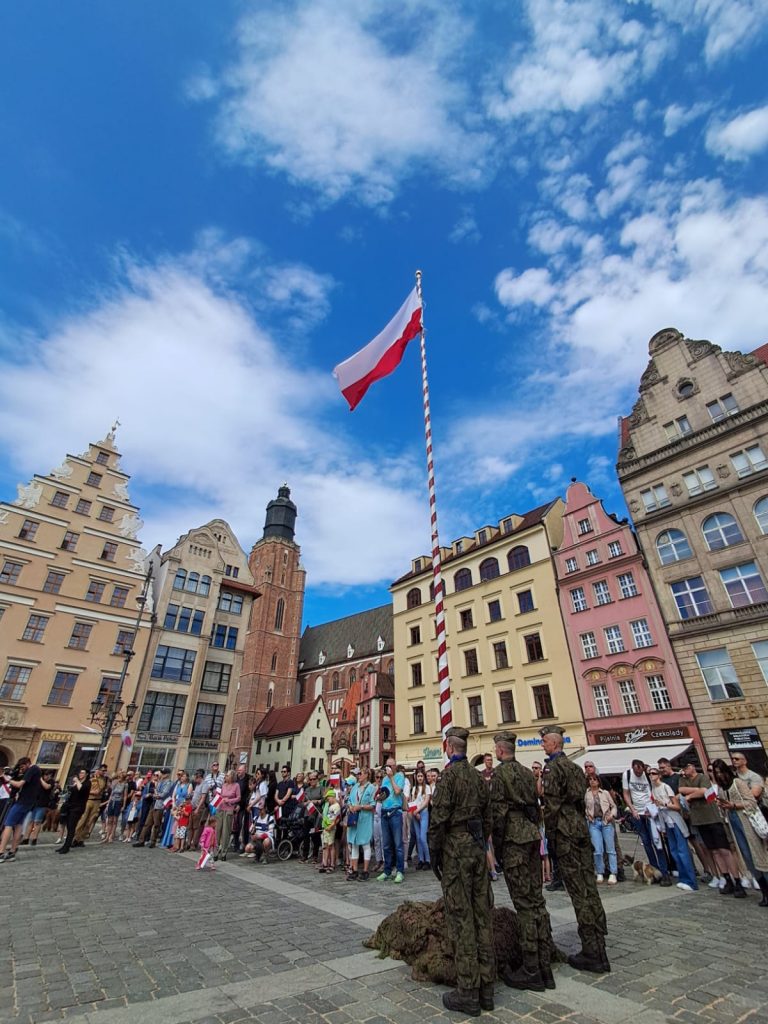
(632, 695)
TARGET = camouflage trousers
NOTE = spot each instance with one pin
(467, 895)
(522, 873)
(576, 860)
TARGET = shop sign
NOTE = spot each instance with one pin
(535, 741)
(742, 739)
(429, 753)
(204, 744)
(157, 737)
(642, 734)
(736, 711)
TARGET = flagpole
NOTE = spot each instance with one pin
(444, 681)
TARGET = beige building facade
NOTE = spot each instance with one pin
(298, 736)
(507, 652)
(71, 573)
(693, 466)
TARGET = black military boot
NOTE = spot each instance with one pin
(545, 970)
(592, 958)
(764, 890)
(486, 996)
(527, 976)
(463, 1000)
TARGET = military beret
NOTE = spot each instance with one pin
(458, 732)
(506, 737)
(547, 729)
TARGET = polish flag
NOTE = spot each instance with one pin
(216, 799)
(334, 780)
(413, 807)
(204, 861)
(168, 803)
(710, 795)
(382, 355)
(301, 797)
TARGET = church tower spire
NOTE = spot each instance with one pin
(281, 516)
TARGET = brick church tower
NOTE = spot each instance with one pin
(270, 660)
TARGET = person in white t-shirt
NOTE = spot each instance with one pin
(671, 822)
(637, 796)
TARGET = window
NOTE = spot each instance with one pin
(641, 634)
(119, 597)
(208, 721)
(750, 460)
(184, 620)
(28, 529)
(761, 514)
(416, 677)
(507, 526)
(106, 514)
(224, 636)
(475, 705)
(602, 700)
(80, 636)
(459, 546)
(180, 579)
(699, 480)
(35, 628)
(592, 557)
(691, 598)
(744, 585)
(16, 679)
(95, 591)
(507, 706)
(69, 543)
(204, 587)
(124, 642)
(83, 507)
(94, 479)
(571, 565)
(53, 582)
(109, 552)
(602, 593)
(462, 579)
(102, 458)
(659, 693)
(192, 582)
(234, 572)
(629, 699)
(719, 674)
(229, 602)
(174, 663)
(162, 712)
(627, 585)
(760, 650)
(273, 664)
(518, 557)
(720, 531)
(533, 649)
(489, 569)
(672, 546)
(588, 645)
(578, 599)
(60, 499)
(270, 697)
(725, 405)
(108, 688)
(279, 613)
(494, 611)
(418, 719)
(584, 526)
(415, 635)
(614, 639)
(470, 662)
(413, 598)
(10, 572)
(500, 654)
(686, 388)
(655, 497)
(63, 686)
(678, 428)
(614, 549)
(465, 619)
(482, 536)
(525, 601)
(542, 701)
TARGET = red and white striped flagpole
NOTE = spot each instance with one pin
(446, 713)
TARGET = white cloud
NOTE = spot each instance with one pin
(215, 412)
(677, 116)
(532, 286)
(728, 24)
(319, 93)
(741, 137)
(465, 229)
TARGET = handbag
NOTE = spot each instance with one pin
(759, 824)
(351, 819)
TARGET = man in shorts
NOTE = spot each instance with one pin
(27, 784)
(705, 817)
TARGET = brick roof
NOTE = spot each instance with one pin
(361, 631)
(286, 721)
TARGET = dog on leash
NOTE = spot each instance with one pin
(642, 872)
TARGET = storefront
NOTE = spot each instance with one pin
(612, 752)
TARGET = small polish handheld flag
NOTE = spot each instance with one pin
(413, 807)
(204, 861)
(4, 792)
(382, 355)
(168, 803)
(311, 808)
(334, 780)
(710, 795)
(301, 797)
(216, 798)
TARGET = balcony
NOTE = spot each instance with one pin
(725, 619)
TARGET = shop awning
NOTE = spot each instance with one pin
(616, 758)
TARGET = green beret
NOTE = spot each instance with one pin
(547, 729)
(458, 732)
(506, 737)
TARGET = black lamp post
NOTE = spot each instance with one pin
(107, 710)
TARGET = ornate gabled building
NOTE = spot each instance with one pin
(299, 736)
(71, 573)
(271, 655)
(693, 466)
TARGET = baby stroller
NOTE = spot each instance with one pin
(289, 835)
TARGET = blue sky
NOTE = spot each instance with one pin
(205, 207)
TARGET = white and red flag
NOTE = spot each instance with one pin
(204, 860)
(216, 799)
(710, 794)
(382, 355)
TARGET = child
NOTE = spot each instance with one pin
(132, 818)
(331, 816)
(207, 842)
(262, 836)
(182, 813)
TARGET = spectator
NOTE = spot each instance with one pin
(262, 835)
(378, 842)
(74, 807)
(270, 800)
(637, 796)
(230, 798)
(115, 806)
(199, 809)
(361, 804)
(25, 782)
(736, 797)
(601, 814)
(153, 826)
(132, 816)
(285, 799)
(182, 812)
(313, 804)
(421, 794)
(755, 782)
(668, 775)
(705, 815)
(331, 817)
(242, 822)
(673, 824)
(391, 796)
(36, 817)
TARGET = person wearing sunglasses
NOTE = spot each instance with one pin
(672, 823)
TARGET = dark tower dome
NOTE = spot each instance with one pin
(281, 516)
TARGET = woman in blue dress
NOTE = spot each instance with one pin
(361, 804)
(179, 794)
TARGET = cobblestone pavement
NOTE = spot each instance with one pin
(113, 935)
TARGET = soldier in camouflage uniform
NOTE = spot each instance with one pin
(563, 786)
(517, 839)
(459, 826)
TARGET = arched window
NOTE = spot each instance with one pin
(413, 598)
(369, 668)
(192, 581)
(270, 697)
(273, 666)
(489, 569)
(720, 531)
(352, 676)
(205, 586)
(318, 687)
(518, 557)
(279, 613)
(761, 514)
(335, 681)
(180, 579)
(672, 545)
(462, 579)
(353, 744)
